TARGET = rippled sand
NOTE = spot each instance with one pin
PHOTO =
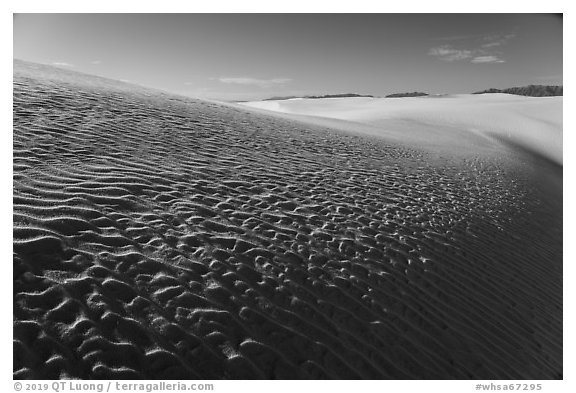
(157, 236)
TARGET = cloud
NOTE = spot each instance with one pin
(96, 62)
(479, 49)
(499, 37)
(483, 49)
(254, 81)
(492, 44)
(62, 64)
(496, 40)
(448, 53)
(487, 59)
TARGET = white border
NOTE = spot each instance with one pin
(298, 6)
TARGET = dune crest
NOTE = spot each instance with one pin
(466, 121)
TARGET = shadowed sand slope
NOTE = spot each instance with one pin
(157, 236)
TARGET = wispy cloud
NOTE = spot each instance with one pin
(62, 64)
(487, 59)
(448, 53)
(496, 40)
(479, 49)
(96, 62)
(491, 44)
(254, 81)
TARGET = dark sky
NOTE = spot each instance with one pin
(250, 56)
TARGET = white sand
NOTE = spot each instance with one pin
(161, 237)
(456, 121)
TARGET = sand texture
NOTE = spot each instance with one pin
(157, 236)
(457, 122)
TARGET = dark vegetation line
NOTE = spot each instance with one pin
(530, 91)
(413, 94)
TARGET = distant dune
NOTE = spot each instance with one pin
(466, 122)
(162, 237)
(315, 97)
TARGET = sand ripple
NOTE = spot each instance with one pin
(162, 237)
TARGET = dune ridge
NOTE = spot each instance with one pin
(464, 122)
(157, 236)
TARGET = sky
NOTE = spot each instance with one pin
(254, 56)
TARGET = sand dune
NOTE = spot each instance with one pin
(157, 236)
(466, 122)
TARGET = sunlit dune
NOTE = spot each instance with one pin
(446, 122)
(161, 237)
